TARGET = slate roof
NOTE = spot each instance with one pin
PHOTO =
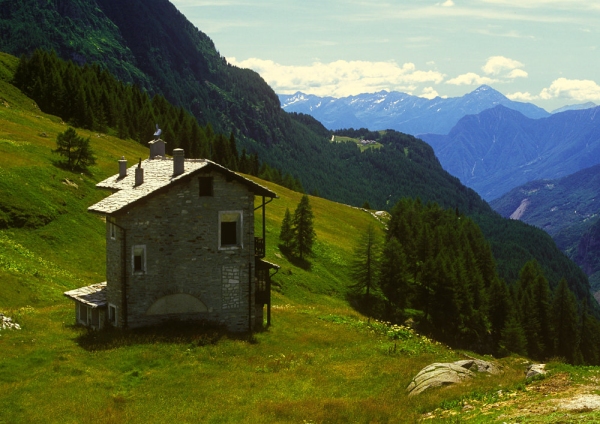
(93, 296)
(158, 174)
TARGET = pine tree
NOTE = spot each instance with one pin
(534, 305)
(564, 318)
(75, 149)
(513, 338)
(302, 224)
(364, 263)
(499, 307)
(589, 344)
(287, 234)
(393, 277)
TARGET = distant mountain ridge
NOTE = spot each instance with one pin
(581, 106)
(400, 111)
(568, 209)
(500, 148)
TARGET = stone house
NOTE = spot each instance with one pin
(180, 245)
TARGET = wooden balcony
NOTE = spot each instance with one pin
(259, 247)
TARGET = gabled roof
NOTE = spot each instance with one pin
(93, 296)
(158, 175)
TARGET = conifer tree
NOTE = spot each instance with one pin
(302, 223)
(244, 165)
(564, 318)
(287, 234)
(513, 339)
(499, 307)
(75, 149)
(534, 305)
(393, 277)
(364, 263)
(589, 344)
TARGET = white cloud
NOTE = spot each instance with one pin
(340, 78)
(497, 64)
(429, 93)
(501, 68)
(562, 88)
(470, 78)
(522, 97)
(517, 73)
(580, 90)
(448, 3)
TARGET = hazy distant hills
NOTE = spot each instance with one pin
(568, 209)
(500, 148)
(581, 106)
(401, 111)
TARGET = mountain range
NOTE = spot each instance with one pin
(568, 209)
(400, 111)
(500, 148)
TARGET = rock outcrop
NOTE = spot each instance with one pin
(534, 370)
(6, 323)
(445, 373)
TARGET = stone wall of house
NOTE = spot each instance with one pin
(180, 232)
(114, 266)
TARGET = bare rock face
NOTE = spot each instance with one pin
(441, 374)
(535, 370)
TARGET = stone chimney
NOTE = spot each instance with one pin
(178, 162)
(122, 167)
(157, 148)
(139, 174)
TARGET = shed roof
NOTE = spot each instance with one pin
(93, 296)
(158, 174)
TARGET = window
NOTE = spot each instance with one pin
(83, 314)
(112, 314)
(230, 230)
(139, 259)
(112, 229)
(206, 186)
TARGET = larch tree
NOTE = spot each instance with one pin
(287, 234)
(302, 224)
(75, 149)
(365, 262)
(565, 320)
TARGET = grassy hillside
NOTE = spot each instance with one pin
(320, 361)
(50, 244)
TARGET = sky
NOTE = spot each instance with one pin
(546, 52)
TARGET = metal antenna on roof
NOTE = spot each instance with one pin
(140, 163)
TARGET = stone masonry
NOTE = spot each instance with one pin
(180, 230)
(179, 245)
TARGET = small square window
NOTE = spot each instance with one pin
(228, 233)
(205, 185)
(230, 229)
(139, 259)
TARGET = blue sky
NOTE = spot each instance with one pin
(540, 51)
